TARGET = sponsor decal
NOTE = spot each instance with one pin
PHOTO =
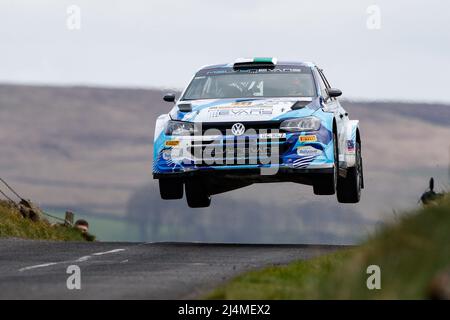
(308, 138)
(277, 135)
(239, 112)
(166, 154)
(350, 145)
(228, 71)
(242, 104)
(177, 153)
(172, 143)
(308, 151)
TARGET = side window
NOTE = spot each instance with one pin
(327, 84)
(323, 86)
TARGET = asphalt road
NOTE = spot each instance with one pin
(38, 269)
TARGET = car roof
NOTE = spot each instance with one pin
(278, 63)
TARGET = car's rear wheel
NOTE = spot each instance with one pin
(197, 195)
(171, 189)
(349, 188)
(327, 185)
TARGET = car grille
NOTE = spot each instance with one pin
(237, 151)
(225, 127)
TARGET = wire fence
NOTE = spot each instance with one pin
(11, 189)
(6, 196)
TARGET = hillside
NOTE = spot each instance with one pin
(89, 150)
(412, 254)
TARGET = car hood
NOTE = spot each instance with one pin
(244, 110)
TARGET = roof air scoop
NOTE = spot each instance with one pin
(254, 63)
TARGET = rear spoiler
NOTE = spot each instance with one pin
(255, 63)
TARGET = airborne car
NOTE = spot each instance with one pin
(257, 121)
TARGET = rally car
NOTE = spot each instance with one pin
(255, 121)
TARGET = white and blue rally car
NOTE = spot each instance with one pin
(253, 121)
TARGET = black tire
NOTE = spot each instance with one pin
(197, 195)
(349, 188)
(327, 186)
(171, 189)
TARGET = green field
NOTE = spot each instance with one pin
(107, 229)
(13, 225)
(410, 252)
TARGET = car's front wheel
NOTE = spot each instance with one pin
(170, 189)
(349, 188)
(197, 195)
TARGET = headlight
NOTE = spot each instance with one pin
(302, 124)
(180, 128)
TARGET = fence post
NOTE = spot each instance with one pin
(68, 221)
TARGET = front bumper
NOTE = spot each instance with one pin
(286, 153)
(249, 176)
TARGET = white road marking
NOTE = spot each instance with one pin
(82, 259)
(108, 252)
(38, 266)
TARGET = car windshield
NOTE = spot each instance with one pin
(251, 84)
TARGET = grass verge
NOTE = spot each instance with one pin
(410, 252)
(12, 225)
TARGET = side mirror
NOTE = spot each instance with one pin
(170, 97)
(334, 93)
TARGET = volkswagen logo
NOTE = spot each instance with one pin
(238, 129)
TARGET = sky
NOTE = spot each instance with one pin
(372, 50)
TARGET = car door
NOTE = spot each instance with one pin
(333, 105)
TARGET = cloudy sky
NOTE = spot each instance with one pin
(142, 43)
